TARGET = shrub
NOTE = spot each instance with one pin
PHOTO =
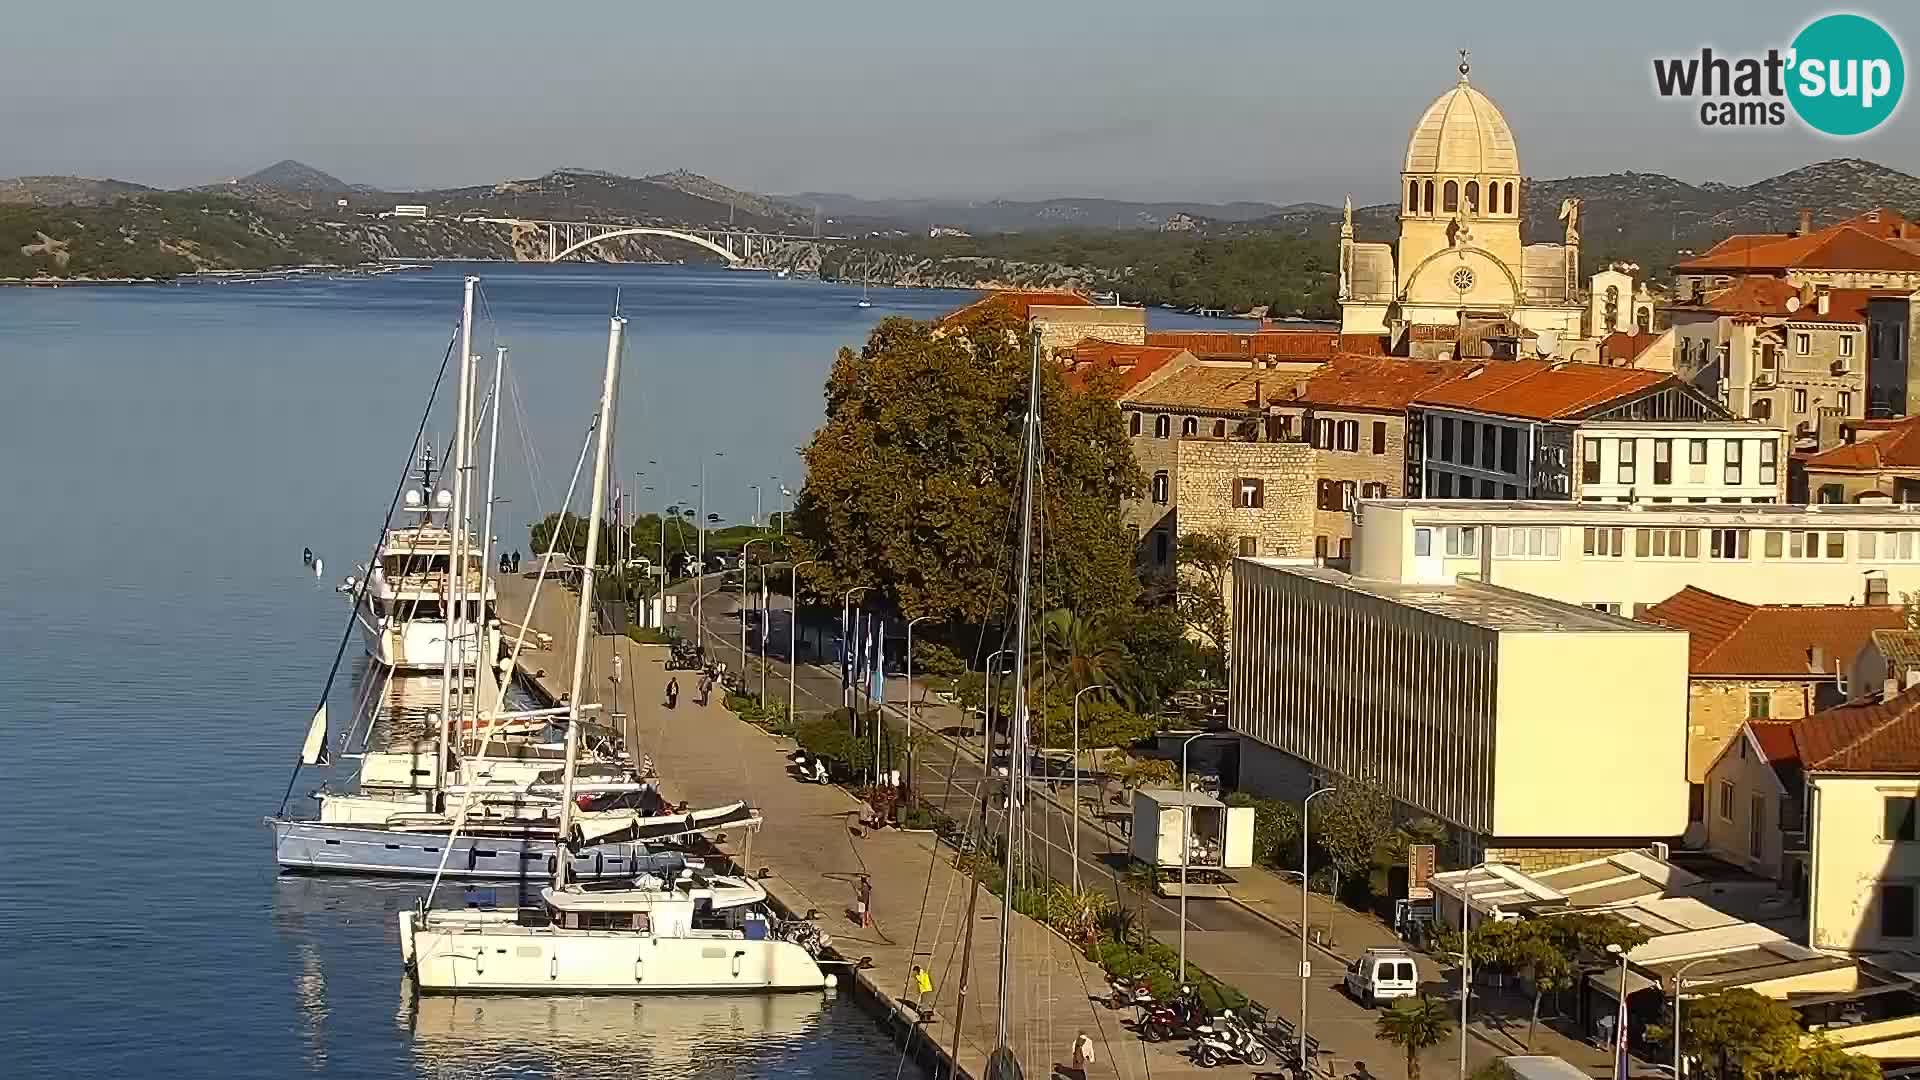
(650, 635)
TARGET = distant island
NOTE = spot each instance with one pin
(1238, 257)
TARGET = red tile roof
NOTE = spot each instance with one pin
(1384, 383)
(1214, 390)
(1539, 390)
(1726, 637)
(1899, 448)
(1018, 301)
(1285, 344)
(1754, 294)
(1879, 737)
(1776, 740)
(1621, 348)
(1845, 246)
(1134, 362)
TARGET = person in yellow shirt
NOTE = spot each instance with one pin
(920, 992)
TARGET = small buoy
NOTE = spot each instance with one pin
(318, 567)
(306, 556)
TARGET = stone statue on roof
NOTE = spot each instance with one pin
(1570, 213)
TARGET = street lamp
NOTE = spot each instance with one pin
(1678, 983)
(909, 735)
(1076, 782)
(1466, 959)
(700, 534)
(986, 727)
(784, 493)
(743, 607)
(1306, 806)
(1619, 1029)
(1186, 833)
(793, 631)
(756, 504)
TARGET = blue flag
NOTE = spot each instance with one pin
(877, 674)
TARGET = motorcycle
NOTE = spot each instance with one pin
(1173, 1018)
(1128, 993)
(1228, 1039)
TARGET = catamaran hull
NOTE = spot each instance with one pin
(315, 847)
(511, 959)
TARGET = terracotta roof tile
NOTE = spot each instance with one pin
(1360, 382)
(1776, 740)
(1726, 637)
(1879, 737)
(1214, 389)
(1846, 246)
(1018, 301)
(1754, 294)
(1285, 344)
(1899, 448)
(1624, 348)
(1538, 390)
(1134, 362)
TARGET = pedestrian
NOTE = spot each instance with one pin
(864, 904)
(673, 692)
(706, 691)
(1082, 1055)
(516, 560)
(920, 992)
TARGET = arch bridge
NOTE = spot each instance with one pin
(559, 240)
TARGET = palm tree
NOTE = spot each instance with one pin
(1084, 649)
(1413, 1025)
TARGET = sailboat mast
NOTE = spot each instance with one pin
(450, 638)
(583, 630)
(1017, 734)
(483, 658)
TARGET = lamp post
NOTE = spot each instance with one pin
(700, 534)
(1076, 782)
(986, 727)
(1679, 981)
(756, 504)
(743, 606)
(793, 631)
(1620, 1030)
(784, 493)
(1466, 961)
(1306, 806)
(1186, 832)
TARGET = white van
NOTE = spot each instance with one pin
(1381, 975)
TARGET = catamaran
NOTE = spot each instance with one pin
(688, 930)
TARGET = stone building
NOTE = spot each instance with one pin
(1879, 249)
(1876, 459)
(1775, 351)
(1060, 317)
(1760, 662)
(1259, 494)
(1893, 342)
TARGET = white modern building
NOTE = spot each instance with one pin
(1620, 557)
(1672, 461)
(1539, 731)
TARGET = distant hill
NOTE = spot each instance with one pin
(65, 190)
(296, 176)
(853, 214)
(670, 199)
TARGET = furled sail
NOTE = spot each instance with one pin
(315, 751)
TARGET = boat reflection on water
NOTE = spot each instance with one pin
(623, 1035)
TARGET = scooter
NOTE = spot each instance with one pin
(1128, 993)
(1171, 1019)
(1227, 1039)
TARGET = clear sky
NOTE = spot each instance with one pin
(1201, 99)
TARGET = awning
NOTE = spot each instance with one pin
(1608, 982)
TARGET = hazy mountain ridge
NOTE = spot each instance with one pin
(66, 190)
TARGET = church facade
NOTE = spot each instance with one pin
(1460, 259)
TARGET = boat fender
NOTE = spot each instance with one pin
(828, 981)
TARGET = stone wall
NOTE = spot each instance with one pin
(1359, 467)
(1533, 860)
(1208, 474)
(1717, 707)
(1060, 327)
(1154, 455)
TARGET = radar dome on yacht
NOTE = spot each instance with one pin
(414, 499)
(444, 500)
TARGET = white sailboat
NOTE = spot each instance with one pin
(684, 931)
(866, 279)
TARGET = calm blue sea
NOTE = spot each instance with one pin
(165, 454)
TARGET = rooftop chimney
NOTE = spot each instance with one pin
(1806, 221)
(1821, 300)
(1817, 659)
(1889, 689)
(1913, 677)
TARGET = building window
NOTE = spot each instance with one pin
(1696, 451)
(1666, 543)
(1833, 493)
(1514, 542)
(1896, 911)
(1423, 542)
(1772, 545)
(1323, 434)
(1460, 541)
(1160, 487)
(1611, 607)
(1446, 439)
(1133, 423)
(1379, 436)
(1845, 401)
(1190, 426)
(1726, 800)
(1769, 462)
(1759, 704)
(1487, 490)
(1889, 546)
(1219, 429)
(1802, 343)
(1450, 197)
(1763, 409)
(1473, 197)
(1756, 824)
(1728, 543)
(1732, 471)
(1320, 548)
(1160, 546)
(1468, 431)
(1333, 495)
(1162, 426)
(1443, 484)
(1663, 461)
(1625, 473)
(1373, 491)
(1799, 401)
(1899, 814)
(1413, 196)
(1249, 546)
(1347, 436)
(1846, 344)
(1590, 461)
(1603, 543)
(1509, 492)
(1252, 493)
(1426, 197)
(1507, 203)
(1509, 450)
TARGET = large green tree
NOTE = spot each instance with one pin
(1549, 952)
(912, 482)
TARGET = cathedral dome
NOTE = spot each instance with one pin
(1463, 133)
